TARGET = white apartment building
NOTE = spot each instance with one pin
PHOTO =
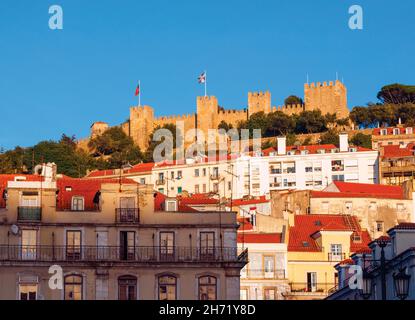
(317, 166)
(288, 167)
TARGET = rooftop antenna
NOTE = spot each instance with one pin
(307, 79)
(337, 76)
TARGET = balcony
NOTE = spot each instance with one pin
(29, 213)
(310, 289)
(160, 182)
(127, 215)
(214, 176)
(278, 274)
(275, 171)
(117, 254)
(336, 256)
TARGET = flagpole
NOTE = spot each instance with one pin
(205, 83)
(139, 93)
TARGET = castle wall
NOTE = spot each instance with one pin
(290, 109)
(259, 102)
(232, 116)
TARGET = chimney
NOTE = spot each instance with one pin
(281, 148)
(344, 142)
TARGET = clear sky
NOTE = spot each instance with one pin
(54, 82)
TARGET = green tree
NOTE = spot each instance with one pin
(148, 155)
(279, 124)
(224, 125)
(330, 137)
(310, 122)
(362, 140)
(360, 116)
(293, 100)
(397, 94)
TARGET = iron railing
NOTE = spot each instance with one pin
(29, 213)
(153, 254)
(277, 274)
(127, 215)
(68, 206)
(311, 288)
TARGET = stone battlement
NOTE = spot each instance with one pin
(328, 97)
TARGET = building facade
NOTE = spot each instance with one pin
(103, 239)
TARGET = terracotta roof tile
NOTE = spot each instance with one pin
(259, 237)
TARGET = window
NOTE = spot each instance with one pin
(196, 188)
(73, 287)
(142, 180)
(207, 244)
(204, 172)
(167, 287)
(373, 206)
(400, 207)
(244, 294)
(396, 131)
(215, 172)
(204, 188)
(127, 245)
(166, 245)
(29, 199)
(409, 130)
(215, 187)
(383, 132)
(311, 281)
(269, 294)
(196, 172)
(229, 185)
(73, 244)
(127, 288)
(308, 169)
(179, 190)
(337, 177)
(379, 226)
(77, 204)
(337, 165)
(207, 288)
(269, 262)
(336, 251)
(28, 291)
(29, 242)
(179, 174)
(172, 175)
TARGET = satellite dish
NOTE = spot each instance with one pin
(14, 229)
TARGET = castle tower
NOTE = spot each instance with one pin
(259, 101)
(207, 114)
(328, 98)
(141, 125)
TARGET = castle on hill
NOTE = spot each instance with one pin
(327, 97)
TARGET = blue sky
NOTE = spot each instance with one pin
(54, 82)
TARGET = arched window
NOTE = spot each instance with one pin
(73, 287)
(207, 288)
(167, 287)
(127, 288)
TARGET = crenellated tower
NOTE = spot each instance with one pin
(207, 113)
(259, 101)
(141, 125)
(328, 98)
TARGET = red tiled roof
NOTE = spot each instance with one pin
(396, 151)
(243, 202)
(312, 149)
(376, 131)
(86, 188)
(378, 190)
(405, 226)
(138, 168)
(5, 178)
(305, 226)
(259, 237)
(160, 198)
(346, 261)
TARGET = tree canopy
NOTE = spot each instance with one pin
(293, 100)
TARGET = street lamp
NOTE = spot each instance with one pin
(366, 290)
(401, 280)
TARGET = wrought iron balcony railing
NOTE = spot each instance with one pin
(11, 253)
(160, 182)
(127, 215)
(311, 288)
(29, 213)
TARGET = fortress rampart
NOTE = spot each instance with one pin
(327, 97)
